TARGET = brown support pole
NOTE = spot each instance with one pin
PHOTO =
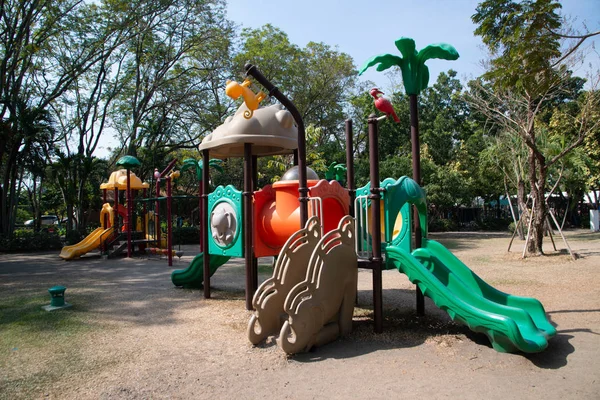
(157, 209)
(200, 212)
(302, 184)
(144, 212)
(350, 166)
(169, 222)
(204, 225)
(248, 254)
(129, 210)
(254, 187)
(375, 198)
(416, 164)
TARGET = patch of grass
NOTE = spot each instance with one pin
(37, 346)
(24, 319)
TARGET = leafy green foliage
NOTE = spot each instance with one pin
(518, 33)
(27, 240)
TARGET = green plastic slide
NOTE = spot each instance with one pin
(512, 323)
(193, 275)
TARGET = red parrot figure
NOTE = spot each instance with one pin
(383, 104)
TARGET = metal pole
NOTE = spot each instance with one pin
(274, 92)
(562, 236)
(169, 223)
(157, 209)
(200, 212)
(254, 187)
(350, 165)
(144, 212)
(375, 198)
(248, 253)
(416, 164)
(204, 224)
(168, 168)
(129, 210)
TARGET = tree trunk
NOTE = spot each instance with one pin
(8, 194)
(69, 216)
(537, 178)
(522, 204)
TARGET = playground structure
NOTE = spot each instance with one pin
(117, 232)
(110, 226)
(302, 301)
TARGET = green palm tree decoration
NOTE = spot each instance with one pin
(335, 171)
(415, 74)
(198, 165)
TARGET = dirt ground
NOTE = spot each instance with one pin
(133, 335)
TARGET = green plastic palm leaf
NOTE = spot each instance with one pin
(329, 174)
(191, 163)
(415, 74)
(340, 171)
(335, 171)
(441, 51)
(385, 61)
(216, 164)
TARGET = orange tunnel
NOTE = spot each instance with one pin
(277, 212)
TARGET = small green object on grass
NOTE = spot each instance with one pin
(57, 299)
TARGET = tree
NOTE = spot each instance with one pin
(445, 124)
(45, 46)
(38, 135)
(82, 111)
(168, 36)
(317, 78)
(526, 74)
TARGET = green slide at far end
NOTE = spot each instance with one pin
(512, 323)
(193, 275)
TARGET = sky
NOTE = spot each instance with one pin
(363, 29)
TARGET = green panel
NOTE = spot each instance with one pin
(233, 201)
(365, 191)
(405, 190)
(512, 323)
(397, 199)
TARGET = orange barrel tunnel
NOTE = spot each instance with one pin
(277, 211)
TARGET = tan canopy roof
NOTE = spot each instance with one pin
(271, 130)
(118, 180)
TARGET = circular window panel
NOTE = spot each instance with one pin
(223, 224)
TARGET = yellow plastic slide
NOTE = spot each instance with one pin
(91, 242)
